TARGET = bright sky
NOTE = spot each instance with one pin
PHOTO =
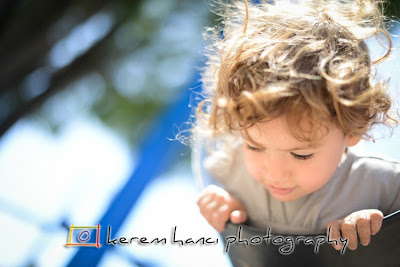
(47, 177)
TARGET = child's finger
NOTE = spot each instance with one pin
(335, 233)
(349, 232)
(211, 206)
(207, 207)
(202, 198)
(376, 218)
(216, 222)
(203, 201)
(219, 217)
(219, 221)
(209, 192)
(238, 216)
(364, 229)
(205, 191)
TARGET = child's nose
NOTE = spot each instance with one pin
(278, 170)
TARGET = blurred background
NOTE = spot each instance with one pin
(92, 94)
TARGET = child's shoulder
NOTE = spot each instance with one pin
(369, 181)
(224, 157)
(219, 157)
(361, 156)
(376, 166)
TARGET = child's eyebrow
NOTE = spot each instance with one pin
(313, 146)
(303, 147)
(294, 148)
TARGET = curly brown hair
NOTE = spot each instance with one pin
(304, 60)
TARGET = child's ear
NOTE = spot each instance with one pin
(353, 140)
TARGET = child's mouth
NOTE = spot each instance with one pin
(280, 190)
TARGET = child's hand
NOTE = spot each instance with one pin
(218, 206)
(361, 224)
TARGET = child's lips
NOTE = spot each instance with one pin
(280, 190)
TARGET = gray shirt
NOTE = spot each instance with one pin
(359, 182)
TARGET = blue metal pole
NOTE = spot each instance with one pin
(157, 153)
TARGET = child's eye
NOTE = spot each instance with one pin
(254, 148)
(301, 157)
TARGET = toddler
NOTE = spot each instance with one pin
(288, 90)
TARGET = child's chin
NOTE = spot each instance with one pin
(286, 198)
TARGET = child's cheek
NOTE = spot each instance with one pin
(254, 167)
(315, 178)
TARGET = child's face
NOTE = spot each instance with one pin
(288, 168)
